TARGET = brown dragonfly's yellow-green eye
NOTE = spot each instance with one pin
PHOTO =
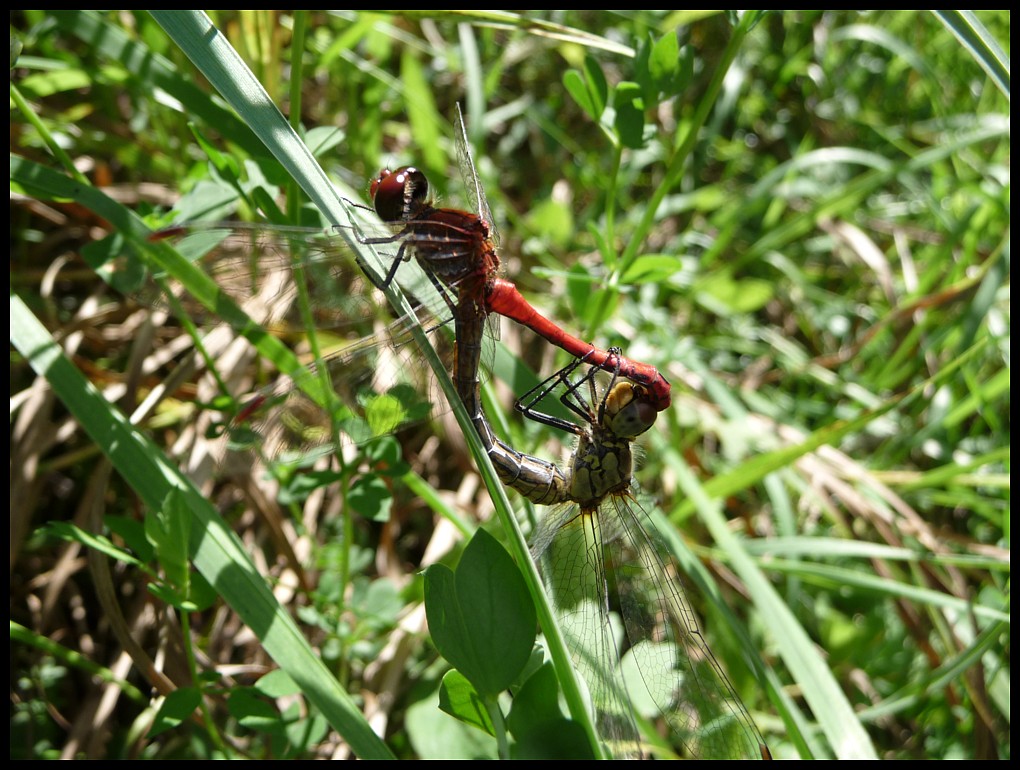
(628, 412)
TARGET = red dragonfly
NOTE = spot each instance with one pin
(599, 553)
(458, 249)
(454, 272)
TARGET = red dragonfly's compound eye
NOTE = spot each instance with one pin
(398, 195)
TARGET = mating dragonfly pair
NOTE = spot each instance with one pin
(598, 535)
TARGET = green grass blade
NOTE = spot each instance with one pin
(981, 43)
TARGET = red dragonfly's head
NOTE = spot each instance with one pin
(399, 195)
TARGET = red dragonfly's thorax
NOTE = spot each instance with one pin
(456, 246)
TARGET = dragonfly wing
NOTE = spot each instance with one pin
(469, 173)
(241, 257)
(368, 378)
(680, 674)
(355, 392)
(569, 550)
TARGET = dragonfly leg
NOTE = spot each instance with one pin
(527, 404)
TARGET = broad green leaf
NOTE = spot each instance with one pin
(723, 294)
(168, 529)
(588, 88)
(481, 617)
(552, 222)
(436, 735)
(651, 268)
(536, 702)
(371, 498)
(253, 711)
(176, 707)
(540, 729)
(132, 532)
(629, 102)
(459, 699)
(276, 684)
(669, 67)
(300, 485)
(574, 84)
(595, 81)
